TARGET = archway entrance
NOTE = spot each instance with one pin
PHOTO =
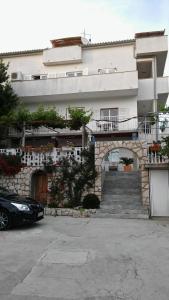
(39, 186)
(120, 159)
(122, 183)
(110, 167)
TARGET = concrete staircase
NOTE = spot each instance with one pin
(122, 196)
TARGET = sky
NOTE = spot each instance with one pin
(31, 24)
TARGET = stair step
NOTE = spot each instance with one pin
(122, 196)
(121, 216)
(123, 210)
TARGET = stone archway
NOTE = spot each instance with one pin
(138, 148)
(39, 186)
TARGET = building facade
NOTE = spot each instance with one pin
(121, 82)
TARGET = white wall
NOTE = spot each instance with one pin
(151, 44)
(127, 105)
(62, 55)
(121, 57)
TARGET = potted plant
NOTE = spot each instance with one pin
(127, 163)
(155, 147)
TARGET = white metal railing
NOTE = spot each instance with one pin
(156, 158)
(33, 158)
(114, 123)
(146, 130)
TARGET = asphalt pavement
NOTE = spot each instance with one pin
(86, 259)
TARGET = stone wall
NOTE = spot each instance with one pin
(20, 183)
(138, 148)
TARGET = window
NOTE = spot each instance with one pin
(70, 74)
(39, 76)
(79, 73)
(35, 77)
(110, 115)
(73, 74)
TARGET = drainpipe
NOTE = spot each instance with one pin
(155, 109)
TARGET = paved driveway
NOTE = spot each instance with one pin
(103, 259)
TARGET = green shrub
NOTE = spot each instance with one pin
(53, 205)
(91, 201)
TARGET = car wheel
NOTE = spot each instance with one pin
(5, 220)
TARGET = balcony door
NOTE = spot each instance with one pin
(111, 116)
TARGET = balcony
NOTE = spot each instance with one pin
(156, 45)
(70, 88)
(146, 88)
(62, 55)
(106, 125)
(141, 128)
(151, 45)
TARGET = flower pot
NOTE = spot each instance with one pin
(155, 148)
(127, 168)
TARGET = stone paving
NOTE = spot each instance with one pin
(85, 259)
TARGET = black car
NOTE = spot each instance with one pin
(17, 210)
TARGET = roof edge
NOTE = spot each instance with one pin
(90, 45)
(24, 52)
(139, 35)
(111, 43)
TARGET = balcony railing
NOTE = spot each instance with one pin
(38, 159)
(156, 158)
(114, 123)
(146, 129)
(93, 84)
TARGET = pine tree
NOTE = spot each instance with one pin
(8, 98)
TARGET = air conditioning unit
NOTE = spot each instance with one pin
(16, 76)
(85, 71)
(105, 71)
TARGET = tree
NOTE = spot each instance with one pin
(165, 146)
(49, 117)
(8, 99)
(72, 178)
(78, 117)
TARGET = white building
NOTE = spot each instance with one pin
(120, 82)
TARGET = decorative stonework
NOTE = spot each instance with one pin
(138, 148)
(75, 213)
